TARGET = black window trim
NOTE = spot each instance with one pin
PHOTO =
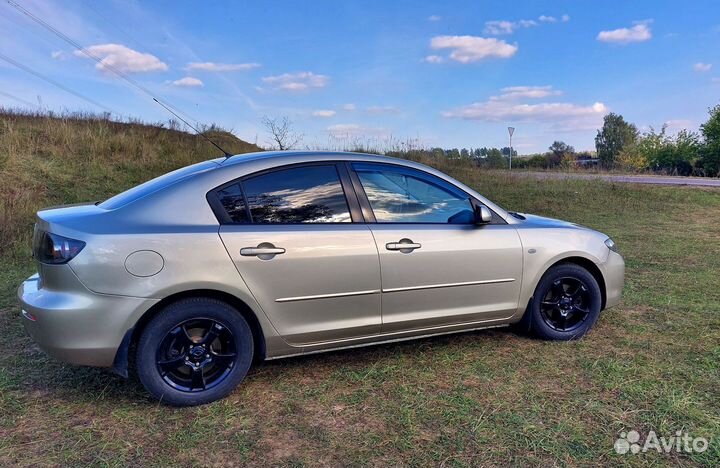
(370, 215)
(351, 197)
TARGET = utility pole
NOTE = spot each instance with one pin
(511, 130)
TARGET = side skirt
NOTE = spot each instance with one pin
(391, 340)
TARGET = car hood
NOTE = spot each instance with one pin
(541, 221)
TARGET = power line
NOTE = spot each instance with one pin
(105, 66)
(20, 100)
(89, 6)
(227, 155)
(53, 82)
(89, 54)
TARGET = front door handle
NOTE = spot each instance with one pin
(404, 245)
(264, 251)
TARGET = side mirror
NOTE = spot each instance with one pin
(483, 215)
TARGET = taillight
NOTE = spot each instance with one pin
(54, 249)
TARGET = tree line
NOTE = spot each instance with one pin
(620, 144)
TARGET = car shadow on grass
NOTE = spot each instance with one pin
(36, 375)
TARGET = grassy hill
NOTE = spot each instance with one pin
(48, 160)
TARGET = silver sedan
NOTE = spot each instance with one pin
(207, 269)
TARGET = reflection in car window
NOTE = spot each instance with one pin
(232, 200)
(404, 195)
(310, 194)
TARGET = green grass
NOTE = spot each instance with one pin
(482, 398)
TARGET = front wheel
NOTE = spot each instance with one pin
(194, 351)
(566, 303)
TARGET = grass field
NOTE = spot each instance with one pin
(482, 398)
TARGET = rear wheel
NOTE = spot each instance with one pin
(566, 303)
(194, 351)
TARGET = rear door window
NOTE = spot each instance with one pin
(306, 194)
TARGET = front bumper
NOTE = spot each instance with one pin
(614, 274)
(76, 325)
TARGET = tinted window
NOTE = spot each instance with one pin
(404, 195)
(232, 200)
(310, 194)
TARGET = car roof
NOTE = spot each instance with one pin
(306, 156)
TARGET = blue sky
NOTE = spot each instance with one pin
(451, 74)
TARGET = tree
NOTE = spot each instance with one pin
(662, 152)
(561, 149)
(453, 153)
(282, 135)
(560, 154)
(615, 135)
(710, 150)
(506, 152)
(437, 153)
(495, 159)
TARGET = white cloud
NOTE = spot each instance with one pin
(702, 67)
(499, 27)
(640, 32)
(434, 18)
(323, 113)
(342, 131)
(221, 67)
(532, 92)
(467, 49)
(433, 59)
(299, 81)
(563, 116)
(348, 107)
(376, 110)
(123, 59)
(679, 124)
(58, 55)
(187, 82)
(496, 111)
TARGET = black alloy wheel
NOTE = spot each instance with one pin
(566, 303)
(196, 355)
(194, 351)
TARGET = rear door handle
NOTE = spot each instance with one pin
(255, 251)
(404, 246)
(264, 251)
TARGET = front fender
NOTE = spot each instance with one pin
(543, 248)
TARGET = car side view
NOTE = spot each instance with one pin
(197, 274)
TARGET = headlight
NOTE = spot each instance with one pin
(611, 244)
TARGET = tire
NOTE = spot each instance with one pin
(194, 351)
(566, 303)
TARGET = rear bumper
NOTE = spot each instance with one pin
(614, 274)
(77, 325)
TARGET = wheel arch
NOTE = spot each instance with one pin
(523, 323)
(591, 267)
(132, 336)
